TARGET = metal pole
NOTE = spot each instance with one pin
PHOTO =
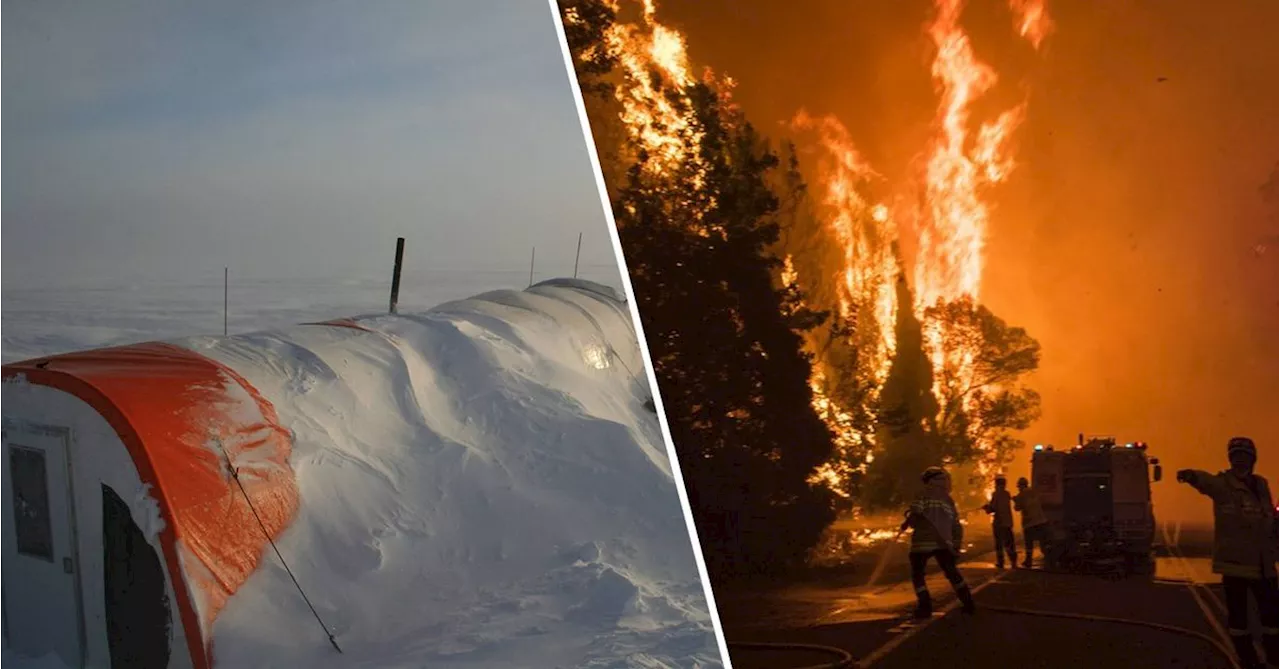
(226, 280)
(533, 254)
(576, 256)
(395, 274)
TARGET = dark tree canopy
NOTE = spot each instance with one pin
(907, 438)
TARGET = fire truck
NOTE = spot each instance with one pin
(1097, 498)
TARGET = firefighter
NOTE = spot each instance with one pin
(936, 533)
(1035, 526)
(1000, 509)
(1244, 544)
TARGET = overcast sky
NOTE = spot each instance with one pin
(156, 140)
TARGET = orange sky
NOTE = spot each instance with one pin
(1132, 240)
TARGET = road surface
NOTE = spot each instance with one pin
(870, 622)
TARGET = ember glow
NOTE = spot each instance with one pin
(847, 438)
(871, 537)
(840, 544)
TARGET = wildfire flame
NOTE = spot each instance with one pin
(949, 265)
(1032, 20)
(953, 238)
(950, 224)
(847, 439)
(862, 231)
(654, 122)
(865, 235)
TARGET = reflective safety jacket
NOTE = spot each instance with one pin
(935, 524)
(1028, 502)
(1244, 523)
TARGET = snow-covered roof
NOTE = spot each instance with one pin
(176, 411)
(475, 485)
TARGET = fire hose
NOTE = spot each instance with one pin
(1172, 629)
(846, 661)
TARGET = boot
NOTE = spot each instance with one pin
(1269, 643)
(966, 599)
(1245, 651)
(924, 606)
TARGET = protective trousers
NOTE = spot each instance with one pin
(947, 562)
(1031, 535)
(1005, 545)
(1237, 592)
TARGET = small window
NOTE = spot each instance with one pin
(31, 522)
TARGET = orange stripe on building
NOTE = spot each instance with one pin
(170, 407)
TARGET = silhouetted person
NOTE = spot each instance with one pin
(1035, 526)
(1001, 510)
(936, 533)
(1244, 545)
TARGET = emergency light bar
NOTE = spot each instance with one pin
(1048, 448)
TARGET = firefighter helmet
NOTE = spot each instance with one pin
(1242, 444)
(932, 473)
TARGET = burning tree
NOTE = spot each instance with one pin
(919, 330)
(906, 438)
(697, 216)
(961, 414)
(981, 399)
(805, 344)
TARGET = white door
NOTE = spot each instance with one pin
(41, 586)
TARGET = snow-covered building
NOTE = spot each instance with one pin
(124, 531)
(492, 445)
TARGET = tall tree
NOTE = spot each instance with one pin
(982, 396)
(586, 23)
(848, 385)
(907, 439)
(723, 333)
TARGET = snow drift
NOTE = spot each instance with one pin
(479, 485)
